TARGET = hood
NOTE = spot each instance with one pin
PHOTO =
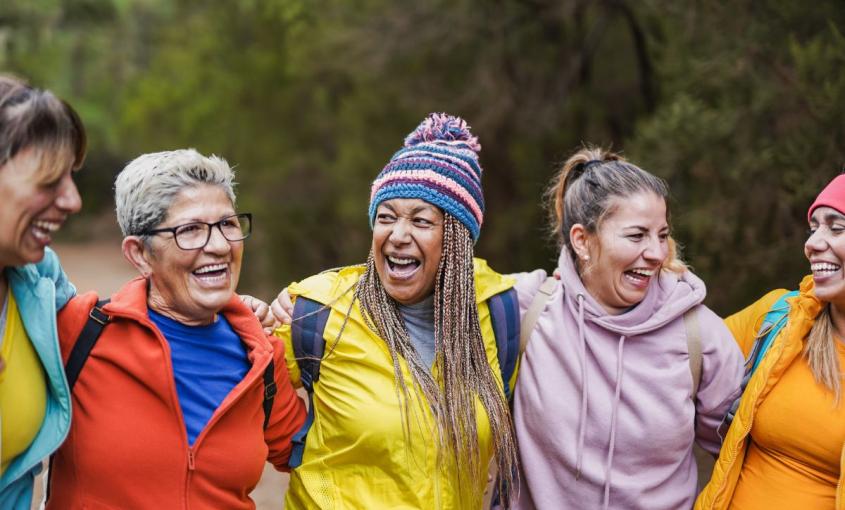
(668, 297)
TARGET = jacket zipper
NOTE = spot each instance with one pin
(145, 321)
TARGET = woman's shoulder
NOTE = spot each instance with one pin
(489, 282)
(328, 285)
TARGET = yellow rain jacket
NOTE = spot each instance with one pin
(356, 454)
(744, 325)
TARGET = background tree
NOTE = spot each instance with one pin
(740, 107)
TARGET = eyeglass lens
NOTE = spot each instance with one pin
(196, 235)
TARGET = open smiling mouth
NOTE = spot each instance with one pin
(43, 229)
(212, 273)
(639, 276)
(824, 269)
(402, 267)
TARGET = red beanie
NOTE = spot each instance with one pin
(833, 195)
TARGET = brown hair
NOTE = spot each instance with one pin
(31, 117)
(820, 351)
(584, 189)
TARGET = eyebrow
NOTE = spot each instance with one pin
(830, 217)
(640, 228)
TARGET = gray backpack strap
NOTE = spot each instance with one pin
(545, 291)
(694, 347)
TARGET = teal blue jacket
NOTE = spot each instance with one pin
(40, 291)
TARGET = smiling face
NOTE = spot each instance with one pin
(33, 208)
(191, 286)
(626, 252)
(407, 246)
(825, 249)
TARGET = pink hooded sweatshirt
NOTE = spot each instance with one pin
(603, 409)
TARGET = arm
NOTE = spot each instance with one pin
(721, 373)
(288, 412)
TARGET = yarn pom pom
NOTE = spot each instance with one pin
(443, 128)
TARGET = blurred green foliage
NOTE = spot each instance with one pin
(739, 105)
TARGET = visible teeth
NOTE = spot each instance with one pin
(49, 226)
(643, 272)
(209, 269)
(401, 262)
(823, 266)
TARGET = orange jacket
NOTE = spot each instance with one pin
(744, 325)
(128, 447)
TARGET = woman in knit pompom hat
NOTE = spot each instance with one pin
(409, 402)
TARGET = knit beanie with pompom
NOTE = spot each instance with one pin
(438, 164)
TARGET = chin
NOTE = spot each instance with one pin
(213, 303)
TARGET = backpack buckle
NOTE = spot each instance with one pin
(99, 316)
(270, 390)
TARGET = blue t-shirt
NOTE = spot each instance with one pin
(208, 362)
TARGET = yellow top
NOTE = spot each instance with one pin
(356, 453)
(23, 389)
(796, 441)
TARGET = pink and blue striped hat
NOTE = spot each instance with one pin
(438, 164)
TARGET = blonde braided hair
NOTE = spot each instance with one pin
(460, 359)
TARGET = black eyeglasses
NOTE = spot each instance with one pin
(194, 236)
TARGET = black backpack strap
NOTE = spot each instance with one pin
(97, 320)
(504, 316)
(269, 391)
(307, 325)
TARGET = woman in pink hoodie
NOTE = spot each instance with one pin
(606, 411)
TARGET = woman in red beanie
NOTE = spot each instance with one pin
(785, 447)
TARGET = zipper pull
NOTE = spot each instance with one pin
(191, 465)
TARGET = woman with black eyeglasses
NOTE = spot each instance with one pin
(182, 397)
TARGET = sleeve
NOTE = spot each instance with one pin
(527, 285)
(50, 267)
(283, 336)
(287, 415)
(745, 323)
(721, 374)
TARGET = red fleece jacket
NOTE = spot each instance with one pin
(128, 447)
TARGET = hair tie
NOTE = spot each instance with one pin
(591, 163)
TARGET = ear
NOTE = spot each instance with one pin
(137, 253)
(579, 238)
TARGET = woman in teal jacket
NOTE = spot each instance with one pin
(42, 142)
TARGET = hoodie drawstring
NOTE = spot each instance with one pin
(613, 417)
(582, 425)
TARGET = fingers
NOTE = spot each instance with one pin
(260, 309)
(279, 312)
(282, 308)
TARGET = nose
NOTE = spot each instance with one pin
(816, 242)
(68, 199)
(656, 250)
(401, 232)
(216, 242)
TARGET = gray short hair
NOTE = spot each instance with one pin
(146, 188)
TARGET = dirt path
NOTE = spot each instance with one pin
(100, 266)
